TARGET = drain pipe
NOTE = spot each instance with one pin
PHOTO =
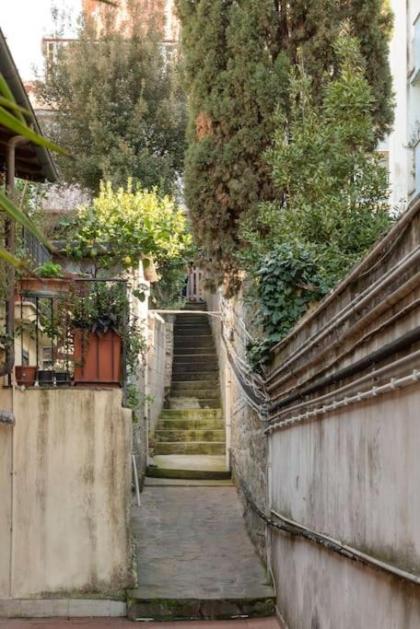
(6, 369)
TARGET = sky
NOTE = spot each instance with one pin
(25, 23)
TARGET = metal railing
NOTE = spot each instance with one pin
(56, 331)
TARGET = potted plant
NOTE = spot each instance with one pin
(99, 320)
(25, 375)
(48, 279)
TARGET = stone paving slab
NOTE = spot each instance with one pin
(192, 544)
(111, 623)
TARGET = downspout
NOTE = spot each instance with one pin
(6, 369)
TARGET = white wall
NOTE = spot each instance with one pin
(65, 493)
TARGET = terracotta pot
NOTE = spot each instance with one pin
(25, 375)
(44, 285)
(97, 358)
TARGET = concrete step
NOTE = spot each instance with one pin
(191, 413)
(194, 466)
(189, 356)
(202, 342)
(195, 351)
(193, 447)
(198, 367)
(192, 332)
(192, 318)
(195, 393)
(195, 385)
(181, 482)
(209, 376)
(183, 402)
(190, 424)
(160, 609)
(198, 364)
(190, 435)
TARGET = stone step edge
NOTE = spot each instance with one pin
(63, 608)
(186, 474)
(172, 609)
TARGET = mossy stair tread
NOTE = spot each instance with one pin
(193, 413)
(190, 435)
(190, 424)
(193, 447)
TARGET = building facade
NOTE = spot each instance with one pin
(402, 148)
(152, 14)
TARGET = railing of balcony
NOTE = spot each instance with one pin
(72, 332)
(33, 249)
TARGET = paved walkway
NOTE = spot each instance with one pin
(92, 623)
(192, 544)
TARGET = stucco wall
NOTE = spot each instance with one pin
(245, 436)
(353, 476)
(344, 445)
(159, 364)
(70, 491)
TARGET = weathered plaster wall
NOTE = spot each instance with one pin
(156, 356)
(71, 494)
(353, 476)
(317, 589)
(344, 455)
(159, 364)
(245, 437)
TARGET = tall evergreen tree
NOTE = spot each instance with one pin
(237, 60)
(119, 108)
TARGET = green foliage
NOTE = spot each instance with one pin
(94, 307)
(287, 282)
(237, 60)
(49, 269)
(122, 226)
(332, 194)
(118, 108)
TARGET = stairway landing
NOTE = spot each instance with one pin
(195, 559)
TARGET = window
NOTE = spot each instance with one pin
(47, 358)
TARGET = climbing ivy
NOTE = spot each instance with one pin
(287, 282)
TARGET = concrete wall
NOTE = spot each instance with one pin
(343, 454)
(159, 364)
(68, 456)
(245, 438)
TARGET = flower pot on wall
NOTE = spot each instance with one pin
(25, 375)
(44, 286)
(97, 358)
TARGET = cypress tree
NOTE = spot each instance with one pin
(237, 57)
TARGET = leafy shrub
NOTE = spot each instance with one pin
(288, 281)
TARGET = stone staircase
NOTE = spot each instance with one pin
(195, 560)
(191, 423)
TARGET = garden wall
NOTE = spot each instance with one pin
(65, 490)
(247, 446)
(343, 448)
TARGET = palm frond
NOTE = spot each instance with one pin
(8, 104)
(10, 121)
(7, 93)
(10, 258)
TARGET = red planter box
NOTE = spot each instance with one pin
(97, 358)
(25, 375)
